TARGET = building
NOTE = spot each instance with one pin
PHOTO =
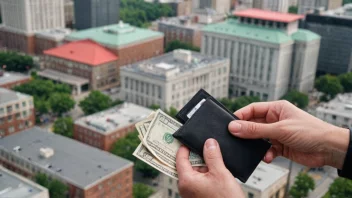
(337, 111)
(9, 80)
(81, 64)
(129, 43)
(103, 129)
(170, 80)
(69, 13)
(22, 19)
(50, 39)
(87, 171)
(220, 6)
(14, 185)
(264, 47)
(181, 7)
(92, 13)
(16, 112)
(306, 6)
(273, 5)
(335, 28)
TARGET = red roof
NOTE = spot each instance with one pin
(83, 51)
(269, 15)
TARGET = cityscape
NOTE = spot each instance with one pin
(78, 76)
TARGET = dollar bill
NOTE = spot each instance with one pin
(160, 142)
(142, 126)
(146, 156)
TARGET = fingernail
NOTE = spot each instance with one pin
(234, 127)
(211, 144)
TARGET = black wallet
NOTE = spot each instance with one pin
(204, 117)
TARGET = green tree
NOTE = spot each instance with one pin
(243, 101)
(42, 180)
(346, 2)
(146, 170)
(346, 81)
(340, 188)
(56, 188)
(293, 9)
(297, 98)
(13, 61)
(117, 102)
(172, 112)
(176, 44)
(61, 103)
(329, 85)
(95, 102)
(227, 102)
(41, 106)
(64, 126)
(303, 184)
(154, 107)
(142, 191)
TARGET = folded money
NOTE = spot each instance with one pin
(158, 147)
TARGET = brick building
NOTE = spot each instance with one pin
(87, 171)
(129, 43)
(9, 80)
(81, 64)
(16, 112)
(50, 39)
(103, 129)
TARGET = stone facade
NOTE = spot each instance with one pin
(17, 41)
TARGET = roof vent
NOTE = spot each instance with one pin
(46, 152)
(17, 149)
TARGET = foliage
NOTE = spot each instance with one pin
(146, 170)
(141, 190)
(346, 81)
(340, 188)
(238, 103)
(303, 183)
(16, 62)
(117, 102)
(172, 112)
(139, 13)
(95, 102)
(293, 9)
(64, 126)
(154, 107)
(346, 2)
(61, 103)
(176, 44)
(329, 85)
(297, 98)
(56, 188)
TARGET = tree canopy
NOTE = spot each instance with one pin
(95, 102)
(346, 2)
(293, 9)
(346, 81)
(12, 61)
(61, 103)
(297, 98)
(303, 184)
(56, 188)
(236, 104)
(329, 85)
(64, 126)
(141, 190)
(176, 44)
(340, 188)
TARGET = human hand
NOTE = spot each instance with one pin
(294, 134)
(213, 181)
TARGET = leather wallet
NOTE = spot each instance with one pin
(203, 118)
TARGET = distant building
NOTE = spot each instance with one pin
(82, 65)
(268, 53)
(180, 7)
(22, 19)
(14, 185)
(220, 6)
(88, 172)
(9, 80)
(69, 13)
(103, 129)
(335, 28)
(307, 6)
(170, 80)
(337, 111)
(131, 44)
(273, 5)
(16, 112)
(92, 13)
(49, 39)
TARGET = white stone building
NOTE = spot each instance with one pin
(170, 80)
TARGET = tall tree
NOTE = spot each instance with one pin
(56, 188)
(329, 85)
(64, 126)
(243, 101)
(172, 112)
(95, 102)
(346, 2)
(303, 184)
(154, 107)
(61, 103)
(176, 44)
(297, 98)
(42, 180)
(346, 81)
(142, 191)
(12, 61)
(341, 187)
(293, 9)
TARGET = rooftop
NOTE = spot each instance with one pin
(181, 21)
(10, 77)
(13, 185)
(268, 15)
(116, 35)
(172, 64)
(116, 118)
(63, 77)
(343, 12)
(341, 105)
(75, 162)
(265, 175)
(7, 96)
(304, 35)
(57, 34)
(83, 51)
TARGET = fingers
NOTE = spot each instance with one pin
(252, 130)
(254, 110)
(183, 165)
(212, 156)
(270, 155)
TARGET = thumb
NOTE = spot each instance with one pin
(212, 156)
(252, 130)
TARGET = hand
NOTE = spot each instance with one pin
(213, 181)
(293, 133)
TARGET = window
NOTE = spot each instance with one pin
(2, 120)
(170, 192)
(11, 129)
(334, 117)
(24, 104)
(1, 110)
(18, 116)
(126, 82)
(24, 114)
(9, 109)
(250, 195)
(9, 118)
(177, 195)
(346, 119)
(170, 181)
(17, 106)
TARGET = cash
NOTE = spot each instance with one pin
(158, 147)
